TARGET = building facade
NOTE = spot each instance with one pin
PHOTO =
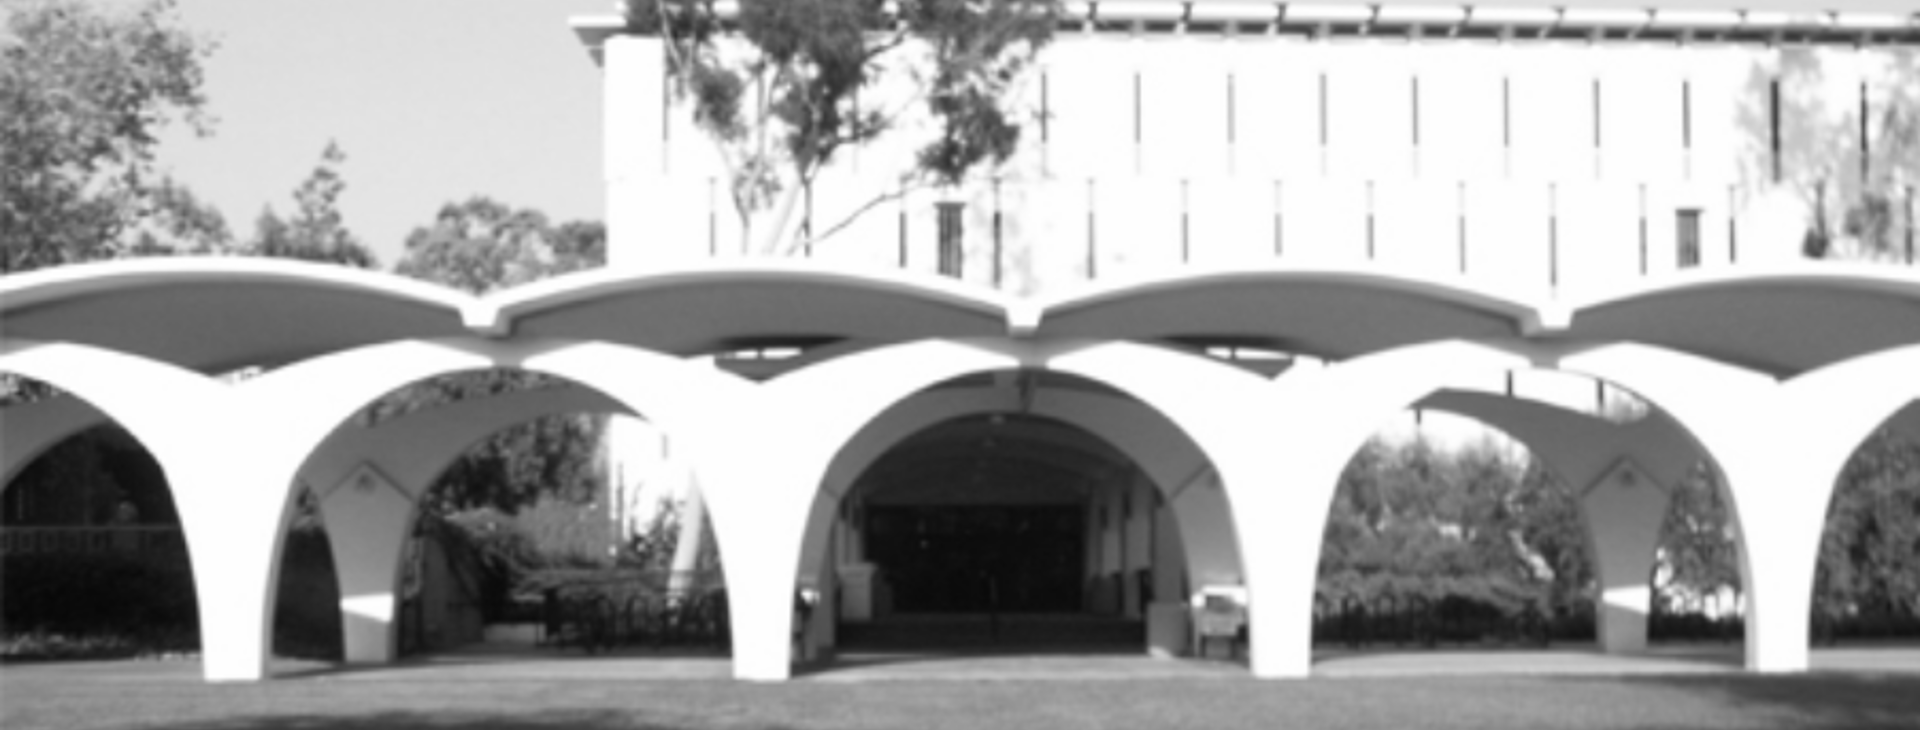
(1124, 371)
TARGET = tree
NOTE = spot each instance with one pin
(784, 94)
(86, 93)
(1858, 193)
(482, 245)
(1869, 569)
(317, 231)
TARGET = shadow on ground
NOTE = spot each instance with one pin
(576, 720)
(1814, 700)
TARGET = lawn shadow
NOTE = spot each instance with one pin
(857, 659)
(1811, 700)
(572, 719)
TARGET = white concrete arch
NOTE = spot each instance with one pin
(1603, 462)
(368, 524)
(1168, 458)
(1779, 447)
(189, 424)
(1318, 418)
(672, 391)
(32, 428)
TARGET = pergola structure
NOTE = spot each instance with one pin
(1772, 376)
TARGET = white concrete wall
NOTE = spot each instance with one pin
(1530, 163)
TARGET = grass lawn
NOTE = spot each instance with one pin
(170, 695)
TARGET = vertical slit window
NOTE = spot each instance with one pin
(1506, 112)
(806, 221)
(713, 217)
(1186, 243)
(1046, 109)
(1773, 126)
(1686, 236)
(1553, 236)
(1686, 114)
(1369, 220)
(902, 241)
(951, 255)
(1279, 207)
(1093, 248)
(998, 243)
(1416, 111)
(1460, 227)
(1733, 229)
(1865, 162)
(1323, 109)
(1643, 229)
(1596, 114)
(1230, 111)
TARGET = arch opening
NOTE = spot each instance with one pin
(1866, 588)
(1015, 511)
(513, 509)
(93, 562)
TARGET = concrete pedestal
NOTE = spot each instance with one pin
(1167, 630)
(856, 592)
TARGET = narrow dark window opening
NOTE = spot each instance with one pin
(1231, 113)
(1865, 162)
(1773, 126)
(1279, 206)
(1046, 110)
(1093, 245)
(1460, 234)
(1596, 114)
(1369, 220)
(951, 255)
(1733, 230)
(1553, 237)
(1416, 111)
(1643, 229)
(806, 220)
(1323, 109)
(902, 242)
(1506, 112)
(1686, 115)
(998, 243)
(713, 217)
(1687, 236)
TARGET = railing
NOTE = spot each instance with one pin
(88, 539)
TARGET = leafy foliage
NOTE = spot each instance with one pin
(1859, 205)
(1444, 537)
(86, 93)
(317, 231)
(481, 245)
(783, 95)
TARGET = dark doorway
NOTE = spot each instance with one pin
(979, 559)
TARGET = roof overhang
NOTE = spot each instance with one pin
(721, 307)
(219, 314)
(1328, 313)
(1781, 321)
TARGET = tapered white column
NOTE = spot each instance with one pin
(1780, 447)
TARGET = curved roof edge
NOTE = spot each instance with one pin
(1530, 314)
(508, 305)
(72, 281)
(1898, 281)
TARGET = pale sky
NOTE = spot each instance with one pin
(432, 100)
